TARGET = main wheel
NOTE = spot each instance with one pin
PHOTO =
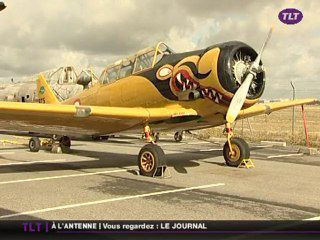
(65, 143)
(241, 151)
(34, 144)
(178, 136)
(150, 157)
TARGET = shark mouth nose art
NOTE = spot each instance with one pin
(183, 81)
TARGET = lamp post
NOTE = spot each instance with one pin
(293, 109)
(2, 6)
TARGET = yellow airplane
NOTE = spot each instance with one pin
(156, 89)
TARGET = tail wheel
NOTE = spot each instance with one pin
(241, 151)
(150, 158)
(34, 144)
(178, 136)
(65, 143)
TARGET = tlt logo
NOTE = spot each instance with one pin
(35, 227)
(290, 16)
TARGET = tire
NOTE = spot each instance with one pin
(156, 137)
(178, 136)
(150, 158)
(96, 138)
(65, 143)
(104, 137)
(241, 148)
(34, 144)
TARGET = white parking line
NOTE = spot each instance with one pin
(286, 155)
(195, 143)
(110, 200)
(262, 146)
(6, 153)
(210, 149)
(62, 176)
(172, 144)
(32, 162)
(313, 219)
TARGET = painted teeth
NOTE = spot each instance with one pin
(212, 94)
(179, 78)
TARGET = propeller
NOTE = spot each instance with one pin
(241, 94)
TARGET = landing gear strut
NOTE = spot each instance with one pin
(235, 149)
(151, 159)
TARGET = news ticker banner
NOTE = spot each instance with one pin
(175, 227)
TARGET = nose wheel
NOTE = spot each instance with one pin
(240, 150)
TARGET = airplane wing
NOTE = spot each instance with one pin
(267, 108)
(84, 120)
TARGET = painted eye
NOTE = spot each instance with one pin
(164, 72)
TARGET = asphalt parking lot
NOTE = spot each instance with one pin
(98, 180)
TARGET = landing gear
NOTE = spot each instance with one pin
(34, 144)
(235, 149)
(240, 151)
(154, 135)
(151, 159)
(56, 145)
(178, 136)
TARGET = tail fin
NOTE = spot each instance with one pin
(44, 91)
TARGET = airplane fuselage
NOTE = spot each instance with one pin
(204, 80)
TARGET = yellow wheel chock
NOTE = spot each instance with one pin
(248, 163)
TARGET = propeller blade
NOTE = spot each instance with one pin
(238, 99)
(241, 94)
(256, 62)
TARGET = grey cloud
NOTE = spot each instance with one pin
(38, 35)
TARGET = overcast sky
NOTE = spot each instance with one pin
(37, 35)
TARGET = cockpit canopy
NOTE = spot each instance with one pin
(141, 61)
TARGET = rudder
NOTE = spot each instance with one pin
(44, 92)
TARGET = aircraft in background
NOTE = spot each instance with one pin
(155, 90)
(65, 82)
